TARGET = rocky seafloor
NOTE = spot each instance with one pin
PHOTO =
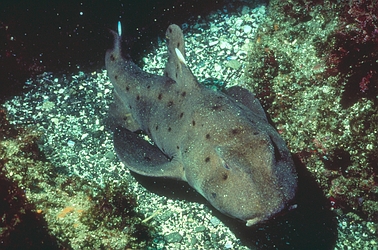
(58, 157)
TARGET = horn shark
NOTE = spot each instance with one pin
(221, 143)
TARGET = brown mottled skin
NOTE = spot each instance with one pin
(220, 143)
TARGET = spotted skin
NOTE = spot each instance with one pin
(219, 142)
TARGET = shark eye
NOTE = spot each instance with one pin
(226, 166)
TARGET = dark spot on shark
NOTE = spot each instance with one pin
(235, 131)
(112, 57)
(207, 159)
(251, 121)
(157, 127)
(194, 123)
(176, 75)
(207, 136)
(214, 195)
(160, 96)
(216, 107)
(170, 81)
(170, 30)
(127, 88)
(169, 129)
(183, 93)
(148, 87)
(116, 77)
(177, 147)
(138, 97)
(130, 107)
(182, 114)
(166, 74)
(224, 176)
(178, 44)
(256, 133)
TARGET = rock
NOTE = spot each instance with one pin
(215, 221)
(245, 10)
(247, 29)
(234, 64)
(200, 229)
(174, 237)
(212, 43)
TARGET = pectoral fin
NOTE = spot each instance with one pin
(248, 99)
(144, 158)
(120, 115)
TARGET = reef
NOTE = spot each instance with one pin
(313, 66)
(46, 207)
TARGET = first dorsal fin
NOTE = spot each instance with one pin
(176, 67)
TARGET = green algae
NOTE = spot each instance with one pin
(76, 213)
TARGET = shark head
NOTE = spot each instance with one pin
(252, 177)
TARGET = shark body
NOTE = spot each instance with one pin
(220, 143)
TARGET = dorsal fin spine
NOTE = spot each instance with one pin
(117, 39)
(180, 56)
(119, 29)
